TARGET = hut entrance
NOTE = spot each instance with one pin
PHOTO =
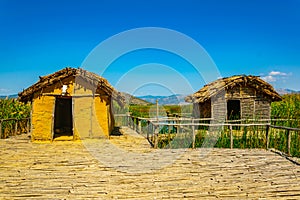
(63, 120)
(233, 109)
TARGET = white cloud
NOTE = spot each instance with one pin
(275, 76)
(269, 78)
(277, 73)
(3, 90)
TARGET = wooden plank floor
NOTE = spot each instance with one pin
(130, 169)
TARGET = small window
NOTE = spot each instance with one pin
(233, 109)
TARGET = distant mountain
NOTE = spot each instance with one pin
(283, 91)
(132, 100)
(12, 96)
(165, 100)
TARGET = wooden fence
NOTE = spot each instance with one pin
(12, 126)
(288, 135)
(152, 128)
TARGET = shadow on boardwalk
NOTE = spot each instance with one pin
(69, 170)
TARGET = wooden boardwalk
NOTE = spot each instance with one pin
(72, 170)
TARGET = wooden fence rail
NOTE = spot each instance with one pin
(13, 126)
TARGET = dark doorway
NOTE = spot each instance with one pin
(63, 120)
(233, 109)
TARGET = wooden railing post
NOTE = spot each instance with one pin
(169, 134)
(267, 136)
(16, 127)
(133, 123)
(127, 120)
(139, 125)
(288, 142)
(194, 135)
(231, 137)
(156, 136)
(148, 129)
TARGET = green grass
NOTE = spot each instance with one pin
(288, 108)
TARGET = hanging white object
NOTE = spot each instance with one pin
(64, 89)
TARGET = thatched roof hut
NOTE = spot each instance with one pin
(235, 97)
(71, 102)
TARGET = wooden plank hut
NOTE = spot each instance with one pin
(73, 103)
(236, 97)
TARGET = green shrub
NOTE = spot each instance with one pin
(11, 108)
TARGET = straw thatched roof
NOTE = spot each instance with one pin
(94, 80)
(222, 84)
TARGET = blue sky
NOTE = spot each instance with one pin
(258, 37)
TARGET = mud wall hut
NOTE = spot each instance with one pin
(236, 97)
(71, 102)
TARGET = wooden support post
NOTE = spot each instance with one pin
(193, 134)
(16, 127)
(169, 134)
(136, 125)
(139, 125)
(288, 142)
(267, 136)
(148, 129)
(132, 122)
(231, 137)
(156, 137)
